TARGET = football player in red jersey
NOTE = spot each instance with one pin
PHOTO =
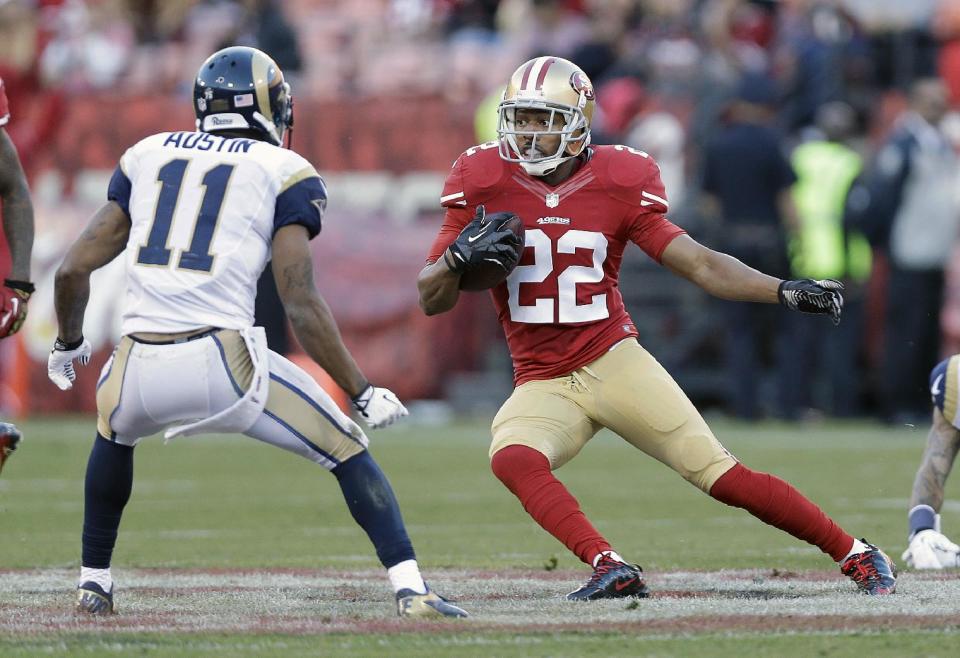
(18, 229)
(578, 365)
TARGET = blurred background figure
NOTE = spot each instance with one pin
(747, 179)
(822, 247)
(912, 218)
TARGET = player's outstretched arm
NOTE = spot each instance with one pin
(719, 274)
(726, 277)
(104, 238)
(943, 442)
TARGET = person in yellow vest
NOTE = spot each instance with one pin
(821, 247)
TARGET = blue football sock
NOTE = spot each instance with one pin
(106, 492)
(374, 507)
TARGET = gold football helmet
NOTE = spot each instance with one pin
(554, 85)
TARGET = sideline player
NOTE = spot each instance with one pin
(929, 549)
(196, 216)
(18, 229)
(578, 365)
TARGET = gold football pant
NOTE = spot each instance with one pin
(627, 391)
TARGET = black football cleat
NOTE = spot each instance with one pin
(612, 579)
(431, 604)
(872, 571)
(10, 438)
(92, 600)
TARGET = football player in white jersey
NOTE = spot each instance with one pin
(929, 548)
(197, 215)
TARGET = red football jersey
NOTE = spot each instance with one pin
(561, 307)
(4, 106)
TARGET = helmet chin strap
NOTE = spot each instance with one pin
(544, 168)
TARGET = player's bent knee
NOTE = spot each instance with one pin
(515, 462)
(700, 460)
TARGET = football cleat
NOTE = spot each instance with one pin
(10, 438)
(872, 571)
(612, 579)
(92, 600)
(431, 604)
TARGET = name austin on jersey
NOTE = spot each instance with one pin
(207, 142)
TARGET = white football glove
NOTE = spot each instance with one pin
(378, 406)
(931, 550)
(60, 363)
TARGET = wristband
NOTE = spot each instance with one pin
(62, 346)
(356, 398)
(22, 286)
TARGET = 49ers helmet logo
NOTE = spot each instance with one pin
(581, 84)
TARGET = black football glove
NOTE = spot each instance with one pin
(483, 240)
(813, 296)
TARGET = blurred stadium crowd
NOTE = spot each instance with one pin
(809, 138)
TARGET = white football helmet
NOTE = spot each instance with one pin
(555, 85)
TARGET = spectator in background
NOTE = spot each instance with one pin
(274, 35)
(820, 53)
(913, 214)
(821, 248)
(90, 47)
(748, 178)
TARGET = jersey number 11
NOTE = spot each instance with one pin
(198, 257)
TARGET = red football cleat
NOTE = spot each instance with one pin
(872, 571)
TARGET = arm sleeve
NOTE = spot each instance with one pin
(939, 382)
(119, 189)
(652, 232)
(302, 202)
(454, 193)
(453, 223)
(647, 227)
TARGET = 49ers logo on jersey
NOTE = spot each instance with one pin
(581, 84)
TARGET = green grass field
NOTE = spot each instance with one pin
(230, 547)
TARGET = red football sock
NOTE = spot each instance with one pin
(526, 472)
(777, 503)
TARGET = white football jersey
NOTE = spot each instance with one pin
(203, 211)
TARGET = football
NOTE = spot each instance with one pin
(488, 274)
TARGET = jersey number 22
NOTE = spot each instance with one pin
(564, 309)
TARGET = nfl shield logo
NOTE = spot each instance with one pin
(553, 200)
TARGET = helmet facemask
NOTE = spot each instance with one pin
(573, 133)
(561, 93)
